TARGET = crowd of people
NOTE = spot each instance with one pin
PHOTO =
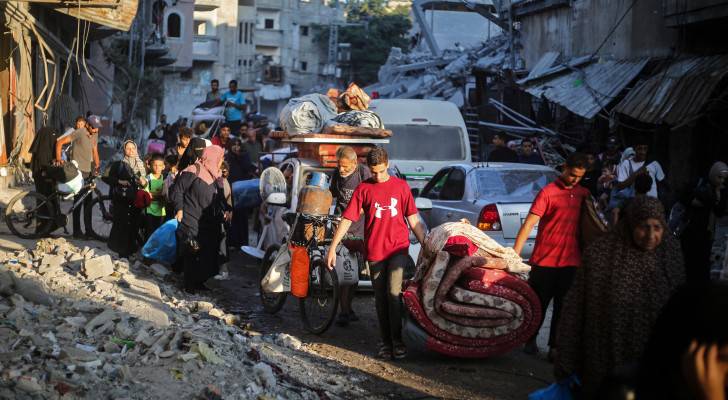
(609, 295)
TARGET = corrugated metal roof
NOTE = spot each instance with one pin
(675, 93)
(542, 65)
(117, 14)
(586, 90)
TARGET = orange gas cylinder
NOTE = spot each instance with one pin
(299, 271)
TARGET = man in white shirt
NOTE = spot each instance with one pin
(630, 169)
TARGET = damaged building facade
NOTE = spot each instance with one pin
(629, 68)
(575, 72)
(52, 70)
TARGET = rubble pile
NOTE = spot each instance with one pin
(77, 323)
(422, 75)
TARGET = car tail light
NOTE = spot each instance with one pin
(375, 95)
(489, 219)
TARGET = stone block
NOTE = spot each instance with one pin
(98, 267)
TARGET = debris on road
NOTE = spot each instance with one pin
(80, 323)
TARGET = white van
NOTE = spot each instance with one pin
(427, 136)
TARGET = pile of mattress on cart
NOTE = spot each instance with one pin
(343, 113)
(469, 296)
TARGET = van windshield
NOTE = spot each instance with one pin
(425, 142)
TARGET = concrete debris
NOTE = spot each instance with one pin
(103, 329)
(98, 267)
(159, 270)
(421, 75)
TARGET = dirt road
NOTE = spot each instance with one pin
(420, 376)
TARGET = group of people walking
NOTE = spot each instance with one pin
(608, 295)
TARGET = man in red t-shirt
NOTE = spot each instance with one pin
(388, 206)
(556, 254)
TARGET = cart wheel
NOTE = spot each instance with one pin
(272, 302)
(319, 308)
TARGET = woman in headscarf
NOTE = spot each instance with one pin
(625, 278)
(192, 153)
(708, 203)
(125, 179)
(197, 205)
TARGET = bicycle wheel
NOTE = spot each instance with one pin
(272, 302)
(100, 218)
(319, 308)
(30, 215)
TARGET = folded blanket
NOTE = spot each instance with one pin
(472, 306)
(307, 114)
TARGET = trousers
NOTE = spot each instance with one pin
(387, 283)
(551, 284)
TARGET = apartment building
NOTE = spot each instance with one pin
(292, 61)
(218, 36)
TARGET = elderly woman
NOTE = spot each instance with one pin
(626, 277)
(196, 199)
(125, 178)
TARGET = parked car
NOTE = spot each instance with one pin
(427, 135)
(494, 197)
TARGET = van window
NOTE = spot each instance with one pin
(425, 142)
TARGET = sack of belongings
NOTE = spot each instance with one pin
(307, 114)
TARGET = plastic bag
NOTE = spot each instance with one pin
(162, 244)
(347, 267)
(278, 278)
(561, 390)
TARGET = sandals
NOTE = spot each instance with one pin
(400, 351)
(385, 352)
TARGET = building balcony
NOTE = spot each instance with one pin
(206, 5)
(269, 4)
(205, 48)
(269, 37)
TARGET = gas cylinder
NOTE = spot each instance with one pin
(315, 198)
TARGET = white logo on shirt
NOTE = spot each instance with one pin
(392, 208)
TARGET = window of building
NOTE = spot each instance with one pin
(304, 66)
(269, 23)
(250, 37)
(174, 25)
(304, 30)
(246, 3)
(186, 75)
(244, 31)
(240, 62)
(240, 32)
(200, 27)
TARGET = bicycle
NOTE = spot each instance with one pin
(318, 309)
(31, 215)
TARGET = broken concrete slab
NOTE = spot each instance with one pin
(97, 267)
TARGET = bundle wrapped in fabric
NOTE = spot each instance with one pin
(469, 297)
(307, 114)
(356, 118)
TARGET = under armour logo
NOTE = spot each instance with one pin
(392, 208)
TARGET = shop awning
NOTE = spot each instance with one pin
(675, 93)
(584, 87)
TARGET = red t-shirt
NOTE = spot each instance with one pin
(385, 205)
(557, 241)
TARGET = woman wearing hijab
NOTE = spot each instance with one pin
(125, 178)
(192, 153)
(195, 196)
(708, 203)
(625, 278)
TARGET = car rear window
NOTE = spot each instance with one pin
(425, 142)
(493, 183)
